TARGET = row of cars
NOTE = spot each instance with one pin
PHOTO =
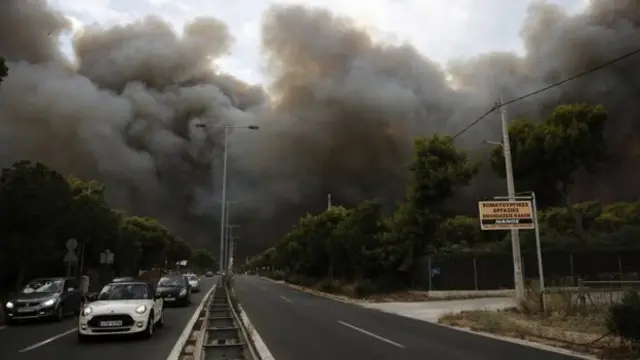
(124, 306)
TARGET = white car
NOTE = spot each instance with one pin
(194, 282)
(122, 308)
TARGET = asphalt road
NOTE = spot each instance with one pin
(58, 340)
(297, 325)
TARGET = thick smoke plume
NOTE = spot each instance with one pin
(340, 116)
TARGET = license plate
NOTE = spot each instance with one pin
(26, 309)
(110, 323)
(169, 298)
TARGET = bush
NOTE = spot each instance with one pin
(624, 318)
(330, 285)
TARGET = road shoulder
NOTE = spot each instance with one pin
(399, 309)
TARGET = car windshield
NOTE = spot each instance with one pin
(170, 282)
(124, 292)
(43, 286)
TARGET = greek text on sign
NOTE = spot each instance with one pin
(506, 215)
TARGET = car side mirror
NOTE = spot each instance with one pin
(92, 297)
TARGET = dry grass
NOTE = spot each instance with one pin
(567, 324)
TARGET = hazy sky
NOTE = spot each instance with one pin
(440, 29)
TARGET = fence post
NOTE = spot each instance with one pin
(573, 276)
(582, 299)
(620, 267)
(475, 274)
(430, 274)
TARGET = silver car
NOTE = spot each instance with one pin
(194, 281)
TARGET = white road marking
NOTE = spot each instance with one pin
(286, 299)
(371, 334)
(49, 340)
(262, 288)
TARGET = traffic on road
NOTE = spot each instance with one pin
(139, 326)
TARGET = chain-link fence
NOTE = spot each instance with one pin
(495, 271)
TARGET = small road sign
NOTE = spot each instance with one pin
(70, 257)
(72, 244)
(506, 215)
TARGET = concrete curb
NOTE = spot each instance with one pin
(259, 345)
(531, 344)
(177, 348)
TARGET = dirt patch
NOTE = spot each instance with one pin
(585, 333)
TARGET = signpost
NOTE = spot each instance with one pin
(514, 212)
(506, 215)
(70, 257)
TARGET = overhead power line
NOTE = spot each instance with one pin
(541, 90)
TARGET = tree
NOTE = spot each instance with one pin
(91, 220)
(4, 70)
(178, 250)
(203, 259)
(438, 170)
(34, 203)
(153, 239)
(546, 156)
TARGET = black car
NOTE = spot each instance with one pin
(44, 298)
(175, 289)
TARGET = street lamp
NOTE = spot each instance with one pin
(223, 203)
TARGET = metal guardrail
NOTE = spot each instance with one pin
(224, 336)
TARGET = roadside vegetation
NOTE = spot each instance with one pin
(40, 210)
(605, 329)
(362, 252)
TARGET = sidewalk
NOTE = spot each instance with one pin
(432, 310)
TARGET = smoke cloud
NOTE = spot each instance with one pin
(339, 116)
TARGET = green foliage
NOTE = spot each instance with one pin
(623, 319)
(40, 210)
(203, 259)
(546, 156)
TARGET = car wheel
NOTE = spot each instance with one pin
(160, 322)
(59, 316)
(148, 333)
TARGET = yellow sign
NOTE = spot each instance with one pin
(506, 215)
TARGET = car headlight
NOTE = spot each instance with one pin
(87, 311)
(183, 292)
(49, 302)
(9, 305)
(141, 309)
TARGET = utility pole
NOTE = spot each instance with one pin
(227, 228)
(511, 191)
(230, 245)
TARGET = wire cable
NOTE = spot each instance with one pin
(548, 87)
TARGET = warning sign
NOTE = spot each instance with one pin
(506, 215)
